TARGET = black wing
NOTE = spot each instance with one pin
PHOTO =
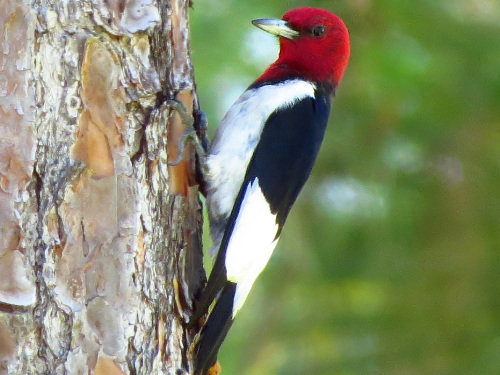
(287, 150)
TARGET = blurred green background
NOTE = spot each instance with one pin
(389, 262)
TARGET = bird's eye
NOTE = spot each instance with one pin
(318, 31)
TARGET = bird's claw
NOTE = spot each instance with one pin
(197, 136)
(181, 109)
(189, 133)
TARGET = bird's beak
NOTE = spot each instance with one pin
(276, 27)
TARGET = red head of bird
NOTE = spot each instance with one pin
(314, 44)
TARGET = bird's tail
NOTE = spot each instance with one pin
(215, 330)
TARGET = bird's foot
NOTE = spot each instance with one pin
(195, 131)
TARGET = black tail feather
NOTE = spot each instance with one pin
(215, 283)
(215, 330)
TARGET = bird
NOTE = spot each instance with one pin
(260, 158)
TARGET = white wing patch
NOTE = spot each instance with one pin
(251, 243)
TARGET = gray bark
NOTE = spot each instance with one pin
(100, 240)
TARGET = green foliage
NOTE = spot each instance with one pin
(389, 262)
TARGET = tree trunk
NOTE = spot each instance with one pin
(100, 240)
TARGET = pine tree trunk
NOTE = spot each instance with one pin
(100, 240)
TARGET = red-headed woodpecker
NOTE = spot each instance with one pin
(261, 157)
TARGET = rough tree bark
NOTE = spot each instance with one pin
(100, 240)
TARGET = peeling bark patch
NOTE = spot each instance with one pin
(141, 251)
(16, 288)
(17, 147)
(216, 369)
(161, 335)
(99, 140)
(98, 219)
(94, 271)
(181, 70)
(181, 175)
(139, 15)
(105, 321)
(106, 366)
